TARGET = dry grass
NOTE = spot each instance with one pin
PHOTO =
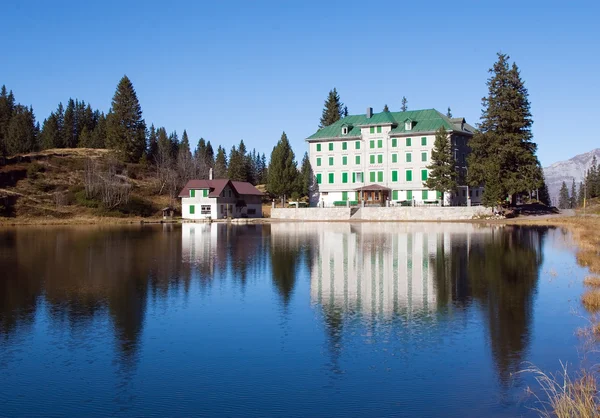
(592, 281)
(591, 300)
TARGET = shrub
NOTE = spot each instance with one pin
(591, 300)
(34, 169)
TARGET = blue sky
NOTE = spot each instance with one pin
(249, 70)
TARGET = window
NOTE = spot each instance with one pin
(380, 176)
(330, 178)
(357, 159)
(372, 129)
(408, 175)
(464, 192)
(229, 193)
(344, 130)
(318, 161)
(394, 158)
(330, 160)
(344, 196)
(371, 144)
(409, 195)
(251, 211)
(205, 209)
(205, 192)
(423, 156)
(331, 146)
(394, 175)
(372, 177)
(408, 125)
(379, 129)
(380, 143)
(345, 160)
(424, 195)
(476, 193)
(192, 209)
(408, 141)
(357, 144)
(318, 178)
(438, 195)
(372, 159)
(424, 141)
(344, 177)
(379, 158)
(395, 195)
(394, 142)
(423, 175)
(318, 147)
(408, 157)
(357, 177)
(344, 145)
(192, 193)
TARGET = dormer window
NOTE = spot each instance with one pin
(344, 130)
(408, 125)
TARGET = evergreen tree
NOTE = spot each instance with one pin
(264, 171)
(573, 198)
(86, 139)
(220, 171)
(404, 106)
(69, 132)
(164, 147)
(152, 148)
(334, 109)
(564, 201)
(449, 112)
(237, 160)
(580, 194)
(7, 106)
(442, 170)
(544, 194)
(99, 133)
(386, 108)
(503, 154)
(306, 176)
(174, 141)
(126, 129)
(22, 132)
(593, 179)
(185, 143)
(60, 121)
(283, 172)
(50, 136)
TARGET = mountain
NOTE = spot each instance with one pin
(566, 171)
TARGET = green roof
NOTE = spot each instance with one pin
(427, 120)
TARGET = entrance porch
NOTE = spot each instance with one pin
(373, 195)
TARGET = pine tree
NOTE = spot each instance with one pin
(126, 129)
(174, 142)
(573, 198)
(99, 133)
(69, 132)
(50, 136)
(164, 147)
(564, 201)
(386, 108)
(503, 154)
(236, 169)
(544, 194)
(404, 106)
(22, 135)
(60, 121)
(306, 176)
(593, 179)
(86, 139)
(264, 170)
(152, 148)
(334, 109)
(220, 171)
(449, 112)
(7, 106)
(283, 172)
(442, 170)
(580, 194)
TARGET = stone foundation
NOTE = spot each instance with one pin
(436, 213)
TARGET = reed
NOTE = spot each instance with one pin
(591, 300)
(592, 281)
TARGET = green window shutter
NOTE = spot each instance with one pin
(344, 145)
(192, 209)
(380, 176)
(408, 157)
(380, 143)
(423, 156)
(319, 178)
(372, 159)
(409, 195)
(423, 175)
(192, 193)
(318, 147)
(380, 159)
(408, 175)
(372, 177)
(394, 142)
(330, 160)
(344, 177)
(379, 129)
(331, 146)
(372, 129)
(344, 160)
(424, 195)
(318, 162)
(358, 159)
(394, 175)
(424, 141)
(371, 144)
(353, 177)
(344, 196)
(330, 178)
(395, 195)
(408, 142)
(205, 192)
(394, 158)
(438, 195)
(357, 145)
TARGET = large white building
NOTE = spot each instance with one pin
(383, 157)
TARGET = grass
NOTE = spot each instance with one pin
(592, 281)
(591, 300)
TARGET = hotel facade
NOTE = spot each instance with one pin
(381, 159)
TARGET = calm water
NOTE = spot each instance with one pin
(283, 319)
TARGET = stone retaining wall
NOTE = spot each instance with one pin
(451, 213)
(311, 214)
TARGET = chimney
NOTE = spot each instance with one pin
(369, 112)
(210, 174)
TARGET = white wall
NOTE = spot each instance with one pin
(186, 202)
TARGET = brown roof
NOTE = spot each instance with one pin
(373, 187)
(216, 187)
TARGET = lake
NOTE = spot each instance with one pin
(283, 319)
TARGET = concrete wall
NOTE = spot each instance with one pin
(383, 214)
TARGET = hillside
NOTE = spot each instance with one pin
(50, 185)
(574, 168)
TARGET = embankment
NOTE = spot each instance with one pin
(381, 214)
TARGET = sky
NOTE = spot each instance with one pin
(232, 70)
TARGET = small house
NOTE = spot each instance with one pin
(220, 198)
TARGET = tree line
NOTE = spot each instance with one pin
(589, 188)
